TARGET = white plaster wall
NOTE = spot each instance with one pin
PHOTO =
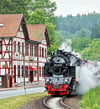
(19, 61)
(4, 47)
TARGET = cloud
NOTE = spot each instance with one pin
(74, 7)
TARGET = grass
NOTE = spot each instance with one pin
(15, 102)
(91, 100)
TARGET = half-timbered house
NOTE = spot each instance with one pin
(21, 51)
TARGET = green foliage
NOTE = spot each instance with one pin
(91, 99)
(47, 6)
(78, 44)
(56, 41)
(92, 52)
(14, 6)
(17, 101)
(96, 31)
(71, 24)
(83, 33)
(38, 17)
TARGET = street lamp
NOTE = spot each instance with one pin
(24, 72)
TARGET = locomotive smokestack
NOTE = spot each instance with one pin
(59, 51)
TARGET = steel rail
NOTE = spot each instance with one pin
(65, 105)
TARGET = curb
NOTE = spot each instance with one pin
(17, 88)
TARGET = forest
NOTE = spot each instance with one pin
(83, 30)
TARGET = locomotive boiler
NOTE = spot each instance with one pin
(60, 73)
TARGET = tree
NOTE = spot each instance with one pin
(47, 6)
(83, 33)
(92, 52)
(78, 44)
(15, 7)
(38, 17)
(96, 31)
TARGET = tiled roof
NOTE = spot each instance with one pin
(10, 23)
(36, 32)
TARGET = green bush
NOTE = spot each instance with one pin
(91, 99)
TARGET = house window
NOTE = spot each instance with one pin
(26, 49)
(42, 71)
(18, 71)
(42, 52)
(22, 71)
(26, 71)
(35, 52)
(18, 46)
(15, 46)
(22, 48)
(31, 50)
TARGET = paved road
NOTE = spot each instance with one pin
(10, 93)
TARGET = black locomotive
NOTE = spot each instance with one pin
(60, 73)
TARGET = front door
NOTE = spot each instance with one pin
(31, 76)
(14, 74)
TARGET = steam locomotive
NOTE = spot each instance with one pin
(60, 73)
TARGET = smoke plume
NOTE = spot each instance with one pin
(89, 76)
(88, 73)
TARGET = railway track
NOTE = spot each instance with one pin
(55, 103)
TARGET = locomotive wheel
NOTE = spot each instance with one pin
(72, 88)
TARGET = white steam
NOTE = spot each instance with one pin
(89, 77)
(88, 74)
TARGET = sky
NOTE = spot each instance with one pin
(74, 7)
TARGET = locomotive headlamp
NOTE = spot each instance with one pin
(66, 81)
(48, 81)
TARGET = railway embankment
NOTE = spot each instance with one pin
(91, 99)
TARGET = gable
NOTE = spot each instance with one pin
(10, 25)
(36, 33)
(20, 32)
(44, 39)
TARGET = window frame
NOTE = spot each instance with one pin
(22, 48)
(26, 73)
(26, 49)
(19, 47)
(42, 51)
(22, 71)
(18, 71)
(14, 46)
